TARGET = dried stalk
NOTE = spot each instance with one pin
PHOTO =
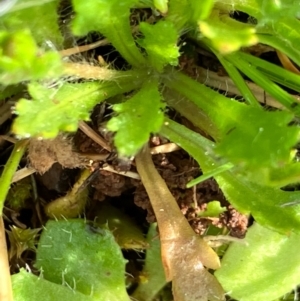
(5, 280)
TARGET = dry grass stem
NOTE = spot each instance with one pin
(5, 280)
(225, 83)
(78, 49)
(93, 135)
(129, 174)
(23, 173)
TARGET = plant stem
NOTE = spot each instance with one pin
(5, 280)
(173, 226)
(184, 253)
(9, 170)
(95, 72)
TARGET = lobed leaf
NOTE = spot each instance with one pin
(263, 141)
(39, 18)
(21, 59)
(139, 116)
(58, 109)
(160, 42)
(111, 18)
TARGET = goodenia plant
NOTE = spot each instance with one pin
(253, 153)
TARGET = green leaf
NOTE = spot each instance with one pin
(269, 258)
(28, 287)
(39, 17)
(111, 18)
(161, 5)
(239, 81)
(71, 204)
(213, 209)
(160, 42)
(264, 142)
(272, 71)
(200, 9)
(58, 109)
(283, 36)
(10, 91)
(211, 174)
(273, 11)
(139, 116)
(179, 13)
(263, 202)
(209, 104)
(217, 31)
(153, 278)
(19, 193)
(84, 257)
(250, 7)
(127, 234)
(251, 68)
(21, 60)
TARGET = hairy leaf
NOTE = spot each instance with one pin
(160, 43)
(58, 109)
(21, 59)
(84, 257)
(28, 287)
(137, 117)
(179, 13)
(40, 17)
(111, 18)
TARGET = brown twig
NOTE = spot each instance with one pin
(286, 62)
(93, 135)
(225, 83)
(78, 49)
